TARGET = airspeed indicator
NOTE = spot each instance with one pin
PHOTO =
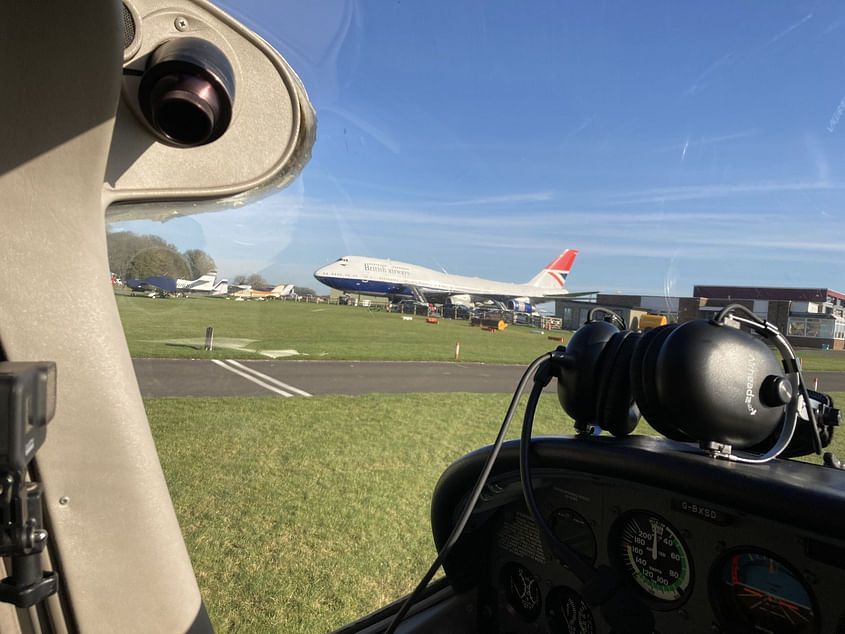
(651, 553)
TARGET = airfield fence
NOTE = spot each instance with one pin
(454, 311)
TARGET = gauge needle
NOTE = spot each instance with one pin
(654, 546)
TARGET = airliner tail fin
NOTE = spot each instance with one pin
(553, 277)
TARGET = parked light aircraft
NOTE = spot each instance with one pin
(389, 278)
(161, 284)
(277, 292)
(657, 527)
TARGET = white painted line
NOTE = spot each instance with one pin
(267, 378)
(251, 378)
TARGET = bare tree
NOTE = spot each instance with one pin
(131, 254)
(256, 281)
(199, 263)
(157, 261)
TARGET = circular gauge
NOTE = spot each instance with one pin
(522, 590)
(652, 554)
(574, 531)
(761, 593)
(568, 613)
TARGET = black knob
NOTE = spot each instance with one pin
(775, 391)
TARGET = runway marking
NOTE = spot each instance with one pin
(269, 378)
(259, 378)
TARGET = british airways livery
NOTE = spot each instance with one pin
(388, 278)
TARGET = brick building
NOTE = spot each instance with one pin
(809, 317)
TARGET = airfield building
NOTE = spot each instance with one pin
(809, 317)
(632, 308)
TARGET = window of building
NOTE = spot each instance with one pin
(812, 327)
(839, 329)
(797, 327)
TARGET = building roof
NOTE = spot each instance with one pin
(766, 292)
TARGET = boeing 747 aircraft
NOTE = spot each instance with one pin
(388, 278)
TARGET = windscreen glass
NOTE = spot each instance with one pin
(678, 150)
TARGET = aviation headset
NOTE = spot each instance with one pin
(701, 381)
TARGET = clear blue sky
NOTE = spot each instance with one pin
(672, 145)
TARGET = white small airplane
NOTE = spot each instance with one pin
(162, 285)
(388, 278)
(204, 284)
(277, 292)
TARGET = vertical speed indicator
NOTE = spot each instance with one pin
(651, 553)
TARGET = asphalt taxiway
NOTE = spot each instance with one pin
(194, 377)
(200, 377)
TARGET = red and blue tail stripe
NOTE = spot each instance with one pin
(559, 268)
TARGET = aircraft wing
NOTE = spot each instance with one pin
(568, 295)
(499, 297)
(154, 283)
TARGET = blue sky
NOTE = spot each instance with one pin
(672, 145)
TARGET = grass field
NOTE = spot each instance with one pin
(176, 328)
(303, 514)
(260, 330)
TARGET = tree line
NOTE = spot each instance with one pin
(139, 256)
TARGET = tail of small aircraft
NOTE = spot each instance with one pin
(221, 288)
(202, 283)
(555, 273)
(283, 289)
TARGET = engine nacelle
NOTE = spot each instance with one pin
(460, 300)
(520, 305)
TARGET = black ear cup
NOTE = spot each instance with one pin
(616, 410)
(717, 384)
(642, 369)
(700, 381)
(578, 379)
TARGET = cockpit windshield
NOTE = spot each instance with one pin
(689, 155)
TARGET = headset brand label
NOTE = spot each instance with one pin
(751, 369)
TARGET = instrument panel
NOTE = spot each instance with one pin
(706, 545)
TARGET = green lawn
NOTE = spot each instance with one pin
(259, 330)
(302, 514)
(821, 361)
(176, 328)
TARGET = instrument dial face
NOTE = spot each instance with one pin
(651, 553)
(572, 529)
(568, 613)
(762, 593)
(522, 590)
